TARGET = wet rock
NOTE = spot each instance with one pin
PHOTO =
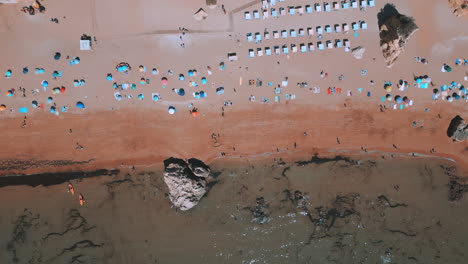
(457, 190)
(187, 181)
(260, 212)
(458, 129)
(395, 30)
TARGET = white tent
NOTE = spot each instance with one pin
(284, 34)
(303, 47)
(267, 51)
(285, 49)
(329, 44)
(318, 8)
(256, 15)
(259, 52)
(336, 6)
(337, 28)
(266, 35)
(308, 9)
(293, 48)
(85, 44)
(277, 50)
(319, 30)
(320, 46)
(326, 7)
(247, 15)
(276, 34)
(300, 32)
(282, 11)
(249, 37)
(328, 29)
(251, 53)
(311, 46)
(292, 33)
(363, 3)
(354, 4)
(265, 14)
(363, 25)
(274, 13)
(310, 31)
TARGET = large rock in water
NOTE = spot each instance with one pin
(458, 129)
(187, 181)
(395, 30)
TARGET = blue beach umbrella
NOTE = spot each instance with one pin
(181, 77)
(154, 71)
(34, 104)
(109, 77)
(52, 109)
(181, 92)
(171, 110)
(155, 97)
(25, 70)
(45, 83)
(202, 94)
(190, 73)
(398, 99)
(203, 80)
(141, 96)
(8, 73)
(80, 105)
(221, 66)
(50, 100)
(133, 86)
(57, 56)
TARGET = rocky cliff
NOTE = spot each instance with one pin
(187, 181)
(460, 7)
(458, 129)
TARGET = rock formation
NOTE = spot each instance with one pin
(460, 7)
(395, 30)
(187, 181)
(458, 129)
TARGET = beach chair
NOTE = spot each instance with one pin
(318, 8)
(247, 15)
(326, 7)
(282, 11)
(266, 35)
(354, 4)
(265, 14)
(285, 49)
(371, 3)
(300, 32)
(337, 28)
(336, 6)
(300, 10)
(319, 30)
(293, 48)
(338, 43)
(355, 26)
(267, 51)
(363, 25)
(303, 48)
(277, 50)
(256, 14)
(328, 29)
(292, 10)
(258, 37)
(329, 44)
(276, 34)
(311, 46)
(284, 34)
(251, 53)
(345, 28)
(274, 13)
(249, 37)
(320, 45)
(310, 31)
(259, 52)
(344, 5)
(364, 3)
(292, 33)
(308, 9)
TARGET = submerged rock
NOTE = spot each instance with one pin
(460, 7)
(395, 30)
(458, 129)
(187, 181)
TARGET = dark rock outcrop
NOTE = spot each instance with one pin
(458, 129)
(460, 7)
(187, 181)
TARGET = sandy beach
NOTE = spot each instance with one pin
(232, 133)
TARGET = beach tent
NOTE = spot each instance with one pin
(318, 8)
(249, 37)
(272, 2)
(300, 32)
(284, 34)
(345, 28)
(265, 14)
(256, 15)
(247, 15)
(258, 37)
(85, 44)
(319, 30)
(311, 46)
(338, 43)
(277, 50)
(282, 11)
(293, 48)
(344, 5)
(259, 52)
(52, 110)
(363, 3)
(274, 13)
(35, 104)
(285, 49)
(300, 10)
(337, 28)
(266, 35)
(308, 9)
(276, 34)
(292, 10)
(336, 6)
(181, 77)
(203, 80)
(23, 110)
(303, 48)
(320, 46)
(292, 33)
(220, 90)
(164, 81)
(326, 7)
(57, 56)
(80, 105)
(328, 29)
(155, 97)
(329, 44)
(200, 15)
(265, 3)
(251, 53)
(181, 92)
(354, 4)
(355, 26)
(371, 3)
(310, 31)
(363, 25)
(267, 51)
(2, 107)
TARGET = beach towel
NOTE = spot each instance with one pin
(23, 110)
(277, 99)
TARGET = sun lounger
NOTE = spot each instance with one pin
(292, 33)
(293, 48)
(308, 9)
(259, 52)
(276, 34)
(371, 3)
(249, 37)
(318, 8)
(300, 32)
(247, 15)
(320, 46)
(311, 46)
(256, 15)
(267, 51)
(274, 13)
(277, 50)
(329, 44)
(284, 34)
(251, 53)
(326, 7)
(285, 49)
(303, 48)
(328, 29)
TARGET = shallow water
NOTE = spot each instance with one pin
(384, 211)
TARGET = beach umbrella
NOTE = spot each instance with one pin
(34, 104)
(406, 99)
(25, 70)
(109, 77)
(50, 100)
(76, 60)
(76, 83)
(190, 73)
(171, 110)
(55, 74)
(8, 73)
(142, 80)
(155, 71)
(141, 96)
(221, 66)
(57, 56)
(2, 107)
(181, 92)
(389, 97)
(456, 96)
(9, 93)
(80, 105)
(142, 68)
(388, 89)
(63, 89)
(52, 110)
(45, 83)
(56, 90)
(164, 81)
(195, 113)
(450, 98)
(447, 68)
(155, 97)
(398, 99)
(202, 94)
(203, 80)
(133, 86)
(418, 80)
(181, 77)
